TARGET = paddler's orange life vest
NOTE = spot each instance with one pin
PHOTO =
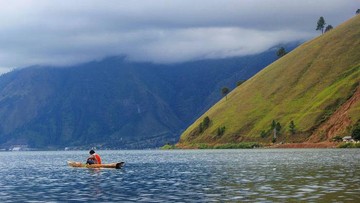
(98, 158)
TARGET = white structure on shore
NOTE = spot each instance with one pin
(348, 139)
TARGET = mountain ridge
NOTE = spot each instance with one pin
(306, 86)
(114, 103)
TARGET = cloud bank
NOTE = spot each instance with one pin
(42, 32)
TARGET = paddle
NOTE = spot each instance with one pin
(119, 165)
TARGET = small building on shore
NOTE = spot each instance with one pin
(348, 139)
(19, 148)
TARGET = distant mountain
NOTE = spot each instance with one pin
(114, 103)
(316, 86)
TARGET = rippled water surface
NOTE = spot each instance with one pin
(261, 175)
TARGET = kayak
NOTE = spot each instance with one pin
(82, 165)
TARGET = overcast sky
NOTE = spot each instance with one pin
(52, 32)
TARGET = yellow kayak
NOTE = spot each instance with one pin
(82, 165)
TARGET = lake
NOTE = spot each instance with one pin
(256, 175)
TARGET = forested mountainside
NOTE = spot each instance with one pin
(114, 103)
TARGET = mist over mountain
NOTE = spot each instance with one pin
(114, 103)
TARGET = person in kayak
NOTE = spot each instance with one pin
(94, 158)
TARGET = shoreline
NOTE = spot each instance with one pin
(304, 145)
(307, 145)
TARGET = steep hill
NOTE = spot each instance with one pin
(114, 103)
(316, 86)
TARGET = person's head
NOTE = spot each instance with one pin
(92, 152)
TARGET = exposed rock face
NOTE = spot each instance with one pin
(339, 122)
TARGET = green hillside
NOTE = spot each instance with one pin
(306, 86)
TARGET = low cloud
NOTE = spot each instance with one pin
(64, 32)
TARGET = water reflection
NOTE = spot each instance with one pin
(185, 176)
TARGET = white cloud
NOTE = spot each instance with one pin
(66, 32)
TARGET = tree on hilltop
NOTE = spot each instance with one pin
(358, 11)
(240, 82)
(281, 52)
(225, 91)
(328, 28)
(321, 24)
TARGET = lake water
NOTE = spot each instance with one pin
(257, 175)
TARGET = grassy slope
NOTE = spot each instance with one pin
(300, 86)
